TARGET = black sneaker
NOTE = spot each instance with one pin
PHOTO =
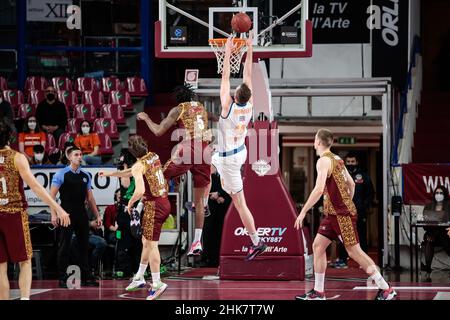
(254, 251)
(388, 294)
(312, 295)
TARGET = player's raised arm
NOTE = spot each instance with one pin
(225, 97)
(159, 129)
(249, 63)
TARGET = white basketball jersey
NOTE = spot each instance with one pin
(233, 128)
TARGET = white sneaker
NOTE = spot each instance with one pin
(155, 292)
(136, 284)
(196, 249)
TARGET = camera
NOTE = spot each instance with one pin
(125, 158)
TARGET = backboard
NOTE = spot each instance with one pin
(185, 26)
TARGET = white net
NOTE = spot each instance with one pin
(218, 46)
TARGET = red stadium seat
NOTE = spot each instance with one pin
(62, 83)
(69, 98)
(105, 144)
(73, 125)
(95, 98)
(85, 112)
(121, 97)
(36, 83)
(107, 126)
(66, 136)
(110, 84)
(113, 111)
(136, 87)
(51, 144)
(35, 96)
(3, 84)
(86, 84)
(26, 110)
(14, 97)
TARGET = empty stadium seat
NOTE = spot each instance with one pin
(35, 96)
(35, 83)
(85, 112)
(26, 110)
(136, 87)
(66, 136)
(94, 97)
(107, 126)
(69, 98)
(110, 84)
(73, 125)
(86, 84)
(3, 84)
(62, 83)
(121, 97)
(51, 144)
(105, 144)
(14, 97)
(113, 111)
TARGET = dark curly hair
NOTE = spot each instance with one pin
(137, 146)
(5, 133)
(184, 93)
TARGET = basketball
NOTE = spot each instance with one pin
(241, 22)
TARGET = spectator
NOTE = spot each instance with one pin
(110, 218)
(39, 156)
(89, 143)
(30, 137)
(52, 114)
(436, 236)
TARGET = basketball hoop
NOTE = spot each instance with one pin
(218, 46)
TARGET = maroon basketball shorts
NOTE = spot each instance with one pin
(15, 241)
(155, 213)
(340, 227)
(193, 156)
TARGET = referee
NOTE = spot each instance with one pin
(74, 187)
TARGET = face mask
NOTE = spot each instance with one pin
(32, 125)
(50, 96)
(85, 130)
(439, 197)
(351, 168)
(38, 156)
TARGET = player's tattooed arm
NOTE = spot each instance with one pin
(160, 129)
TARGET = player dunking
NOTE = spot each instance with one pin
(15, 241)
(192, 154)
(235, 115)
(337, 187)
(152, 188)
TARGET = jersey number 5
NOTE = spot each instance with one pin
(200, 122)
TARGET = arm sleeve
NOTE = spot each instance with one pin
(58, 178)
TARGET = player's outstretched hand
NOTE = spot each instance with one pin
(249, 41)
(299, 221)
(64, 218)
(142, 116)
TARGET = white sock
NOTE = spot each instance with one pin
(379, 280)
(198, 235)
(141, 271)
(156, 278)
(205, 201)
(23, 298)
(255, 238)
(319, 279)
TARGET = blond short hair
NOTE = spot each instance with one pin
(326, 137)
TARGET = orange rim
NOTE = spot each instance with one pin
(220, 42)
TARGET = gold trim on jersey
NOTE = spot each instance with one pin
(347, 230)
(153, 173)
(327, 204)
(189, 122)
(14, 201)
(148, 220)
(26, 234)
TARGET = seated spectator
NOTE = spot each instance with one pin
(110, 219)
(64, 159)
(89, 144)
(30, 137)
(39, 156)
(436, 236)
(51, 114)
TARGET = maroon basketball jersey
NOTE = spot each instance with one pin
(336, 198)
(194, 118)
(12, 197)
(155, 183)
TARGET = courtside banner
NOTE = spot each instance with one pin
(420, 180)
(103, 188)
